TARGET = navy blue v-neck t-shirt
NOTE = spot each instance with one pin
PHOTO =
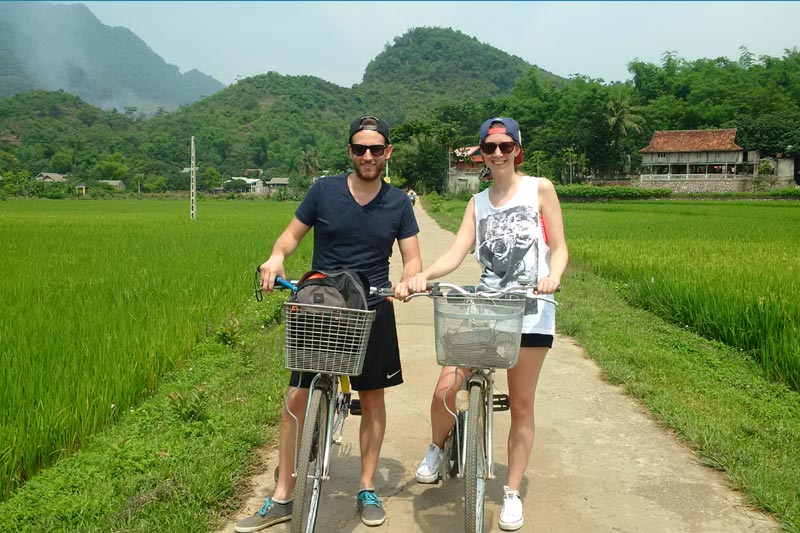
(349, 236)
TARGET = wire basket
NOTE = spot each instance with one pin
(478, 332)
(326, 339)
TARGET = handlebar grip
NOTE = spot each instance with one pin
(381, 291)
(284, 284)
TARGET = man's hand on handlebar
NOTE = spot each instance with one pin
(272, 268)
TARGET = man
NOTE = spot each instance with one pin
(356, 219)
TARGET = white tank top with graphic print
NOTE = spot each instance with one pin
(510, 242)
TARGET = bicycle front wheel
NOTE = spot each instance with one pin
(475, 460)
(310, 462)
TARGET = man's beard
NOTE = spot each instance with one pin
(369, 172)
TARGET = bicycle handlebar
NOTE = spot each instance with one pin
(283, 284)
(433, 290)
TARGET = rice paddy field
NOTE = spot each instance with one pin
(729, 270)
(101, 298)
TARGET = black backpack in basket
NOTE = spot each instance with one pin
(344, 288)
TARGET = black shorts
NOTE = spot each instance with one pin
(536, 340)
(382, 362)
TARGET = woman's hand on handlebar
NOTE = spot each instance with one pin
(418, 283)
(547, 285)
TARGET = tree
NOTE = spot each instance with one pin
(622, 116)
(61, 162)
(235, 186)
(111, 167)
(422, 162)
(308, 164)
(209, 178)
(155, 184)
(447, 135)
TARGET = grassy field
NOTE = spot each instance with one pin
(727, 270)
(100, 299)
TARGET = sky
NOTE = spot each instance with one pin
(336, 40)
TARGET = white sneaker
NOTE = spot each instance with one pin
(511, 514)
(428, 469)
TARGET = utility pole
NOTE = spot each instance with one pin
(193, 188)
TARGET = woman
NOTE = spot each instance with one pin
(517, 230)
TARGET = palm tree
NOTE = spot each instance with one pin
(308, 165)
(622, 116)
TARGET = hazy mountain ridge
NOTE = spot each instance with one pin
(65, 47)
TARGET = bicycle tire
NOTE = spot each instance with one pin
(475, 460)
(308, 489)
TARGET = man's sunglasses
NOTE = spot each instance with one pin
(505, 147)
(361, 149)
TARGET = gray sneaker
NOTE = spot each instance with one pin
(370, 509)
(270, 514)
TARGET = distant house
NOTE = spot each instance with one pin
(252, 185)
(704, 161)
(51, 177)
(274, 184)
(465, 169)
(117, 184)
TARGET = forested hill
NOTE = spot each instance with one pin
(428, 67)
(281, 124)
(65, 47)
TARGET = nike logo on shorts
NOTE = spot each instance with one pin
(390, 376)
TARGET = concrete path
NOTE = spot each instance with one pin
(600, 461)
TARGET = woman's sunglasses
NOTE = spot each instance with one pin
(505, 147)
(361, 149)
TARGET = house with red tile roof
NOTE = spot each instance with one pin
(707, 160)
(466, 169)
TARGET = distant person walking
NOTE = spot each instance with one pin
(412, 196)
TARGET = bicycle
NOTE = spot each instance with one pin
(330, 342)
(477, 330)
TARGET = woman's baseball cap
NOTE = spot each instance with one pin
(509, 127)
(369, 122)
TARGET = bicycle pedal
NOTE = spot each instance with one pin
(355, 407)
(500, 402)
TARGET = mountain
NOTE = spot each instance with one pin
(65, 47)
(428, 67)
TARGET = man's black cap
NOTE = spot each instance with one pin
(369, 122)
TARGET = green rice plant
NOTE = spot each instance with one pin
(726, 270)
(101, 298)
